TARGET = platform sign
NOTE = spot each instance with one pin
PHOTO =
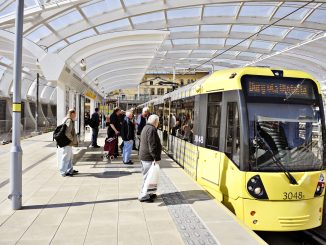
(90, 94)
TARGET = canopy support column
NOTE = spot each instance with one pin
(16, 150)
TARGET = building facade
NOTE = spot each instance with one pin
(152, 86)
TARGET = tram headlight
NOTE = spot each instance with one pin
(256, 188)
(320, 186)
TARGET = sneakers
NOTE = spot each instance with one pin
(129, 162)
(150, 199)
(153, 196)
(147, 200)
(67, 174)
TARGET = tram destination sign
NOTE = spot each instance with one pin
(281, 88)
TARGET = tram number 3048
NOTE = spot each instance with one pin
(292, 195)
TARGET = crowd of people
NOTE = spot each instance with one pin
(122, 124)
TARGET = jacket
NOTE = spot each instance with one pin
(150, 144)
(141, 122)
(71, 133)
(96, 119)
(114, 119)
(127, 130)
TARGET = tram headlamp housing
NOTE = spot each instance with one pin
(320, 185)
(278, 73)
(256, 188)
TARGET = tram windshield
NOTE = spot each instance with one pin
(293, 134)
(285, 124)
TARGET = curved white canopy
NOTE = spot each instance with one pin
(121, 39)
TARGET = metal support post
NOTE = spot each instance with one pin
(37, 101)
(16, 150)
(138, 92)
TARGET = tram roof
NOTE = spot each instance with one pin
(225, 80)
(121, 40)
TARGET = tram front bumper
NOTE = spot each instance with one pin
(296, 215)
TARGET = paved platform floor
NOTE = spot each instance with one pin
(100, 206)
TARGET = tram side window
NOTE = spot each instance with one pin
(213, 121)
(233, 133)
(183, 128)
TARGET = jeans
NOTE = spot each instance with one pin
(127, 148)
(94, 136)
(146, 165)
(65, 165)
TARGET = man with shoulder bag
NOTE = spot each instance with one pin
(66, 161)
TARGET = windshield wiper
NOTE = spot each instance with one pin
(296, 89)
(259, 141)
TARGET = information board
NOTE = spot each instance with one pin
(255, 86)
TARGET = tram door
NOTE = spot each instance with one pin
(166, 122)
(210, 107)
(230, 138)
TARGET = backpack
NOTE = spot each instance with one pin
(90, 122)
(59, 135)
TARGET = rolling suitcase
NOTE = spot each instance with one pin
(109, 146)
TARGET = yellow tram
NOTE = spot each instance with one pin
(254, 137)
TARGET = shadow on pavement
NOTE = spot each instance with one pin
(174, 198)
(107, 174)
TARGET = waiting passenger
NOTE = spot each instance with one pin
(127, 135)
(96, 121)
(149, 152)
(176, 129)
(142, 119)
(121, 119)
(115, 127)
(187, 128)
(173, 121)
(66, 164)
(141, 122)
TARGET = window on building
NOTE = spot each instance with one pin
(150, 82)
(3, 109)
(54, 110)
(32, 106)
(188, 81)
(160, 91)
(181, 82)
(233, 133)
(152, 91)
(45, 109)
(213, 121)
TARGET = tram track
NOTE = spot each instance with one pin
(308, 237)
(317, 236)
